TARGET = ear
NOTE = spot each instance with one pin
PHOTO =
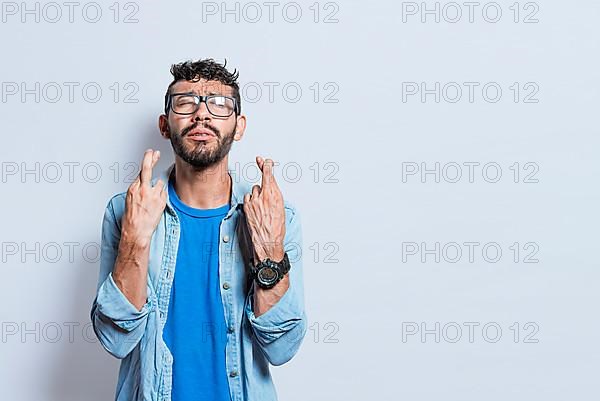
(163, 126)
(240, 127)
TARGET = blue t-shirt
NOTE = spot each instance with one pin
(195, 330)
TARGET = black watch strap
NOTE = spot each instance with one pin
(282, 268)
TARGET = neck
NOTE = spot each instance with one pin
(208, 188)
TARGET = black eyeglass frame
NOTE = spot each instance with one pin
(199, 101)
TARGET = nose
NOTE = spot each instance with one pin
(202, 113)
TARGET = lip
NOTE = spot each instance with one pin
(201, 134)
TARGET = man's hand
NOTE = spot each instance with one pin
(265, 215)
(144, 204)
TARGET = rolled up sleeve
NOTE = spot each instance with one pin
(118, 324)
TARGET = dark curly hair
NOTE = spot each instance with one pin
(207, 69)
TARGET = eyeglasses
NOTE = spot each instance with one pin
(189, 103)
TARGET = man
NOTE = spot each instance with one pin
(200, 285)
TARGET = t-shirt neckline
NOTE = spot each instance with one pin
(192, 211)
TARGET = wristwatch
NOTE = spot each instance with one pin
(267, 272)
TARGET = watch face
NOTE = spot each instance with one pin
(267, 275)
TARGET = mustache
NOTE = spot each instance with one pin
(195, 125)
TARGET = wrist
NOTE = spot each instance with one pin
(135, 240)
(274, 253)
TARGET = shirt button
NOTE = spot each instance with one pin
(233, 373)
(226, 286)
(226, 238)
(230, 329)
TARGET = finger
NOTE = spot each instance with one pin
(135, 183)
(246, 202)
(255, 191)
(260, 161)
(145, 170)
(150, 159)
(267, 173)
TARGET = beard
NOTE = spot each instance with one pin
(201, 155)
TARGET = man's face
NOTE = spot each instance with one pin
(201, 151)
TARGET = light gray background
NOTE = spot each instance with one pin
(369, 295)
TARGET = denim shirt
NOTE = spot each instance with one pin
(135, 336)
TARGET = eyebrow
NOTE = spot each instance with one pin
(194, 93)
